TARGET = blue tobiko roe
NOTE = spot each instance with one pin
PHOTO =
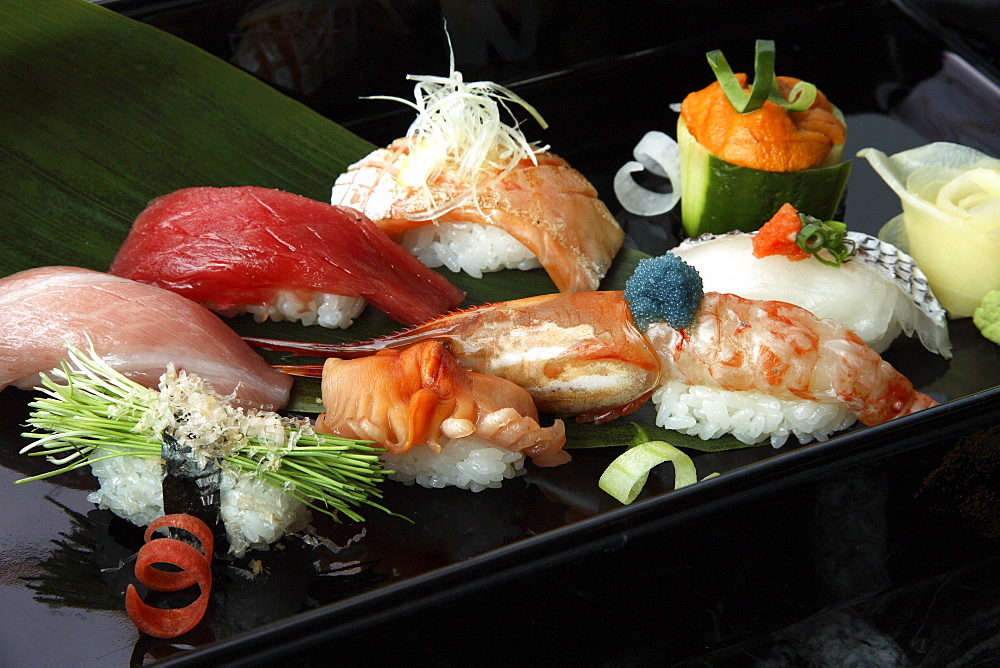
(664, 289)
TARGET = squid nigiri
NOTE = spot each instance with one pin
(138, 329)
(464, 190)
(601, 355)
(440, 423)
(278, 255)
(879, 293)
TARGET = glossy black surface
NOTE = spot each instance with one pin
(871, 526)
(660, 583)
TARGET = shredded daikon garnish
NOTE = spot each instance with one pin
(460, 130)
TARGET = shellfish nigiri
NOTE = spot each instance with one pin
(464, 190)
(278, 255)
(576, 353)
(137, 328)
(419, 401)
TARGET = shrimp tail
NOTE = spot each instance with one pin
(576, 353)
(301, 370)
(311, 348)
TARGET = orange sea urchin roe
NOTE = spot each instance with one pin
(777, 236)
(770, 138)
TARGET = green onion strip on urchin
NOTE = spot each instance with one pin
(91, 412)
(765, 83)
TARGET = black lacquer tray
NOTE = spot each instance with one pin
(549, 570)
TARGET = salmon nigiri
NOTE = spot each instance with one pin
(280, 256)
(138, 329)
(466, 191)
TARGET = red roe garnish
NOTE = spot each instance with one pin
(777, 236)
(196, 568)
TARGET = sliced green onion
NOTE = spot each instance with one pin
(765, 83)
(825, 237)
(626, 475)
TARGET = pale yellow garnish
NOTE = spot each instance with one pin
(950, 195)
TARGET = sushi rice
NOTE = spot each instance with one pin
(255, 513)
(469, 463)
(751, 417)
(326, 310)
(469, 247)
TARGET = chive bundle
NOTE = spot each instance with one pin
(90, 412)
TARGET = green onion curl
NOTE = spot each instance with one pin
(765, 83)
(829, 236)
(627, 474)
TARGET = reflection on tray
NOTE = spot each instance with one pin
(91, 567)
(948, 106)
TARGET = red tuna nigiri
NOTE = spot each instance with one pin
(230, 248)
(138, 329)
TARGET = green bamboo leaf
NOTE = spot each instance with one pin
(102, 113)
(638, 428)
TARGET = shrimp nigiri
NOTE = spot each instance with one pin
(278, 255)
(464, 190)
(419, 401)
(575, 353)
(773, 369)
(609, 351)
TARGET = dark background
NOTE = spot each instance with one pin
(864, 557)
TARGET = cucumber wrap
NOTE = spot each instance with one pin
(718, 196)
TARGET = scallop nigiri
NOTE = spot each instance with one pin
(278, 255)
(465, 190)
(138, 329)
(879, 293)
(442, 425)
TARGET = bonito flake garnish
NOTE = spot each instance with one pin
(194, 414)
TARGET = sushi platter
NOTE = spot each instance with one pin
(760, 539)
